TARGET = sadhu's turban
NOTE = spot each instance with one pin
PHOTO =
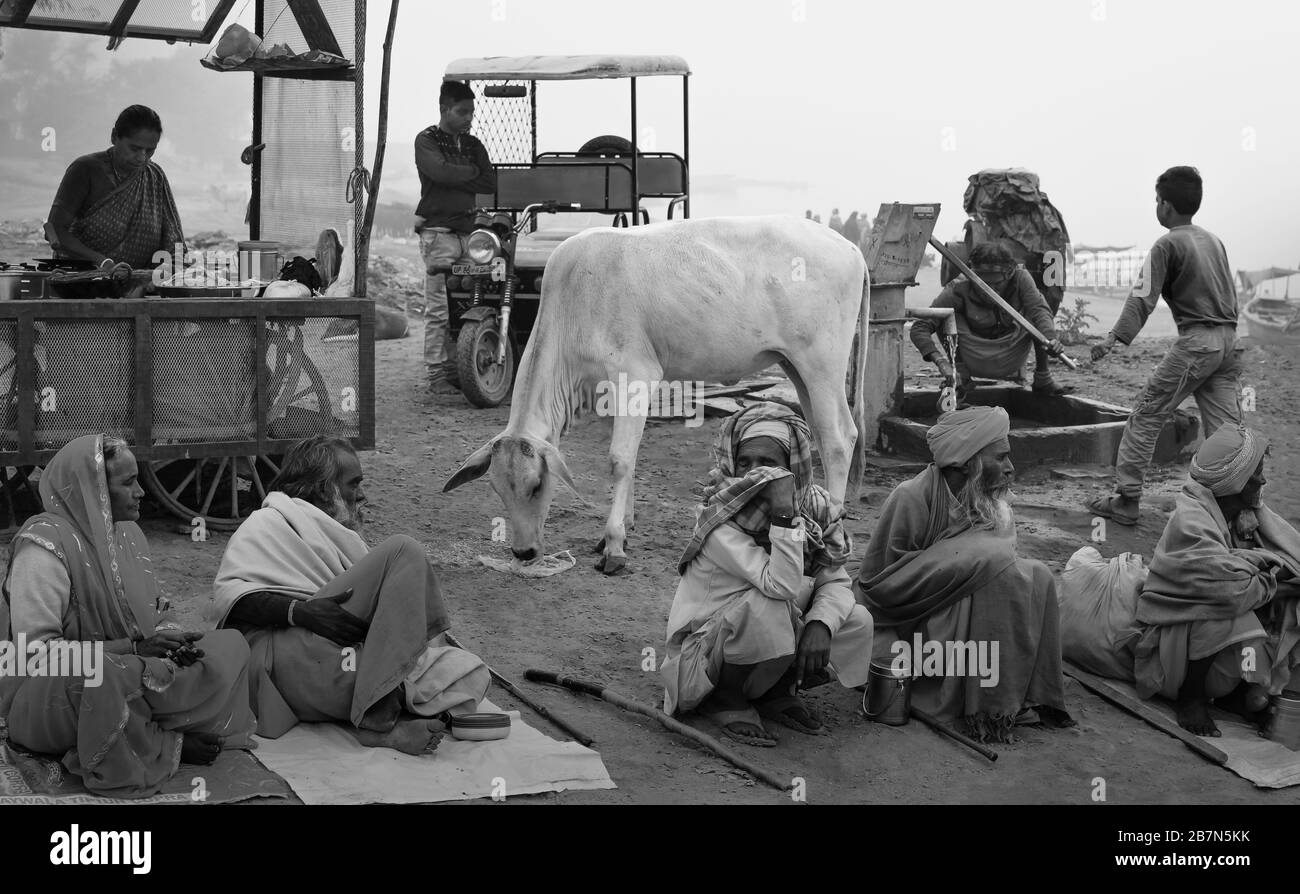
(1228, 458)
(960, 434)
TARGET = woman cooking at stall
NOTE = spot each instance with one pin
(116, 207)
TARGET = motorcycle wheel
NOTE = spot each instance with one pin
(484, 382)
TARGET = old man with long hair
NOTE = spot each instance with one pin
(339, 631)
(942, 562)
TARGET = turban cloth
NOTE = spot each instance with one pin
(1227, 459)
(960, 434)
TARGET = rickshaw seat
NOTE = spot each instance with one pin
(659, 174)
(595, 186)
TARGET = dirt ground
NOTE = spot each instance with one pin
(583, 623)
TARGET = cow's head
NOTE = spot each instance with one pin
(522, 470)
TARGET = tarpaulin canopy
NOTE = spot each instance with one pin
(1252, 278)
(564, 68)
(154, 19)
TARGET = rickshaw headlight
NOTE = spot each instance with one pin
(482, 246)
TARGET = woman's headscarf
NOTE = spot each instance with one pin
(828, 542)
(114, 591)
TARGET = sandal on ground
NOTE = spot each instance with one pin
(733, 725)
(1109, 507)
(789, 710)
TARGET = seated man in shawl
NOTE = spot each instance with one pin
(764, 606)
(80, 578)
(941, 568)
(1220, 610)
(989, 342)
(115, 208)
(339, 631)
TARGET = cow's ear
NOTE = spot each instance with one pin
(475, 466)
(555, 462)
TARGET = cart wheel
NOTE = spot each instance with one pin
(484, 382)
(19, 497)
(222, 490)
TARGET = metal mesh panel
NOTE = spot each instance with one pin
(9, 384)
(313, 377)
(204, 381)
(176, 18)
(282, 27)
(70, 12)
(306, 126)
(504, 124)
(88, 383)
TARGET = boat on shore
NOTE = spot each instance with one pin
(1273, 321)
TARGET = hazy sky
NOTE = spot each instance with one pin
(811, 103)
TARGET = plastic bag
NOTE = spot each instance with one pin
(1098, 603)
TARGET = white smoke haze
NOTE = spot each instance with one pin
(848, 105)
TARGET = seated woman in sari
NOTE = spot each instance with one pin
(116, 207)
(144, 697)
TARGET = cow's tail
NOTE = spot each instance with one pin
(856, 467)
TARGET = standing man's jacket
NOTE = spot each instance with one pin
(453, 170)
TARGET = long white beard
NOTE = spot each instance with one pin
(346, 517)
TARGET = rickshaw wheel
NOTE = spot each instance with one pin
(484, 382)
(222, 490)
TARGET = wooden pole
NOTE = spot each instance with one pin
(381, 141)
(944, 729)
(514, 690)
(1145, 712)
(996, 298)
(676, 726)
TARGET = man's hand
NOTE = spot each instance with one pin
(327, 617)
(944, 367)
(779, 494)
(1246, 524)
(1101, 350)
(166, 643)
(1054, 347)
(814, 651)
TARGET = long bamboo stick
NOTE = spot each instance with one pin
(676, 726)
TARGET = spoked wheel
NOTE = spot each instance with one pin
(484, 382)
(19, 496)
(222, 490)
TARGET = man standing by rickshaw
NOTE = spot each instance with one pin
(454, 169)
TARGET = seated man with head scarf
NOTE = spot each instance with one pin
(339, 631)
(1220, 610)
(764, 606)
(941, 567)
(141, 697)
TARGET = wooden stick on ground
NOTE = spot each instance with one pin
(582, 739)
(676, 726)
(944, 729)
(1145, 712)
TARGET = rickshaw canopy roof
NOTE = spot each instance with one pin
(564, 68)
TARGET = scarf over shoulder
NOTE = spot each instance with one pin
(921, 560)
(114, 591)
(288, 546)
(1197, 575)
(828, 543)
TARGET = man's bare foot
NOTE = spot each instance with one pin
(1194, 716)
(416, 735)
(200, 748)
(382, 715)
(1248, 700)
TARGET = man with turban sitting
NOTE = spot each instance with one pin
(1219, 609)
(764, 606)
(942, 563)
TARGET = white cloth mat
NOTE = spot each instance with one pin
(324, 764)
(1262, 761)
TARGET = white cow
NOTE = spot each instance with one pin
(709, 299)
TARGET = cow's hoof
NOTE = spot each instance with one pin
(600, 547)
(611, 565)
